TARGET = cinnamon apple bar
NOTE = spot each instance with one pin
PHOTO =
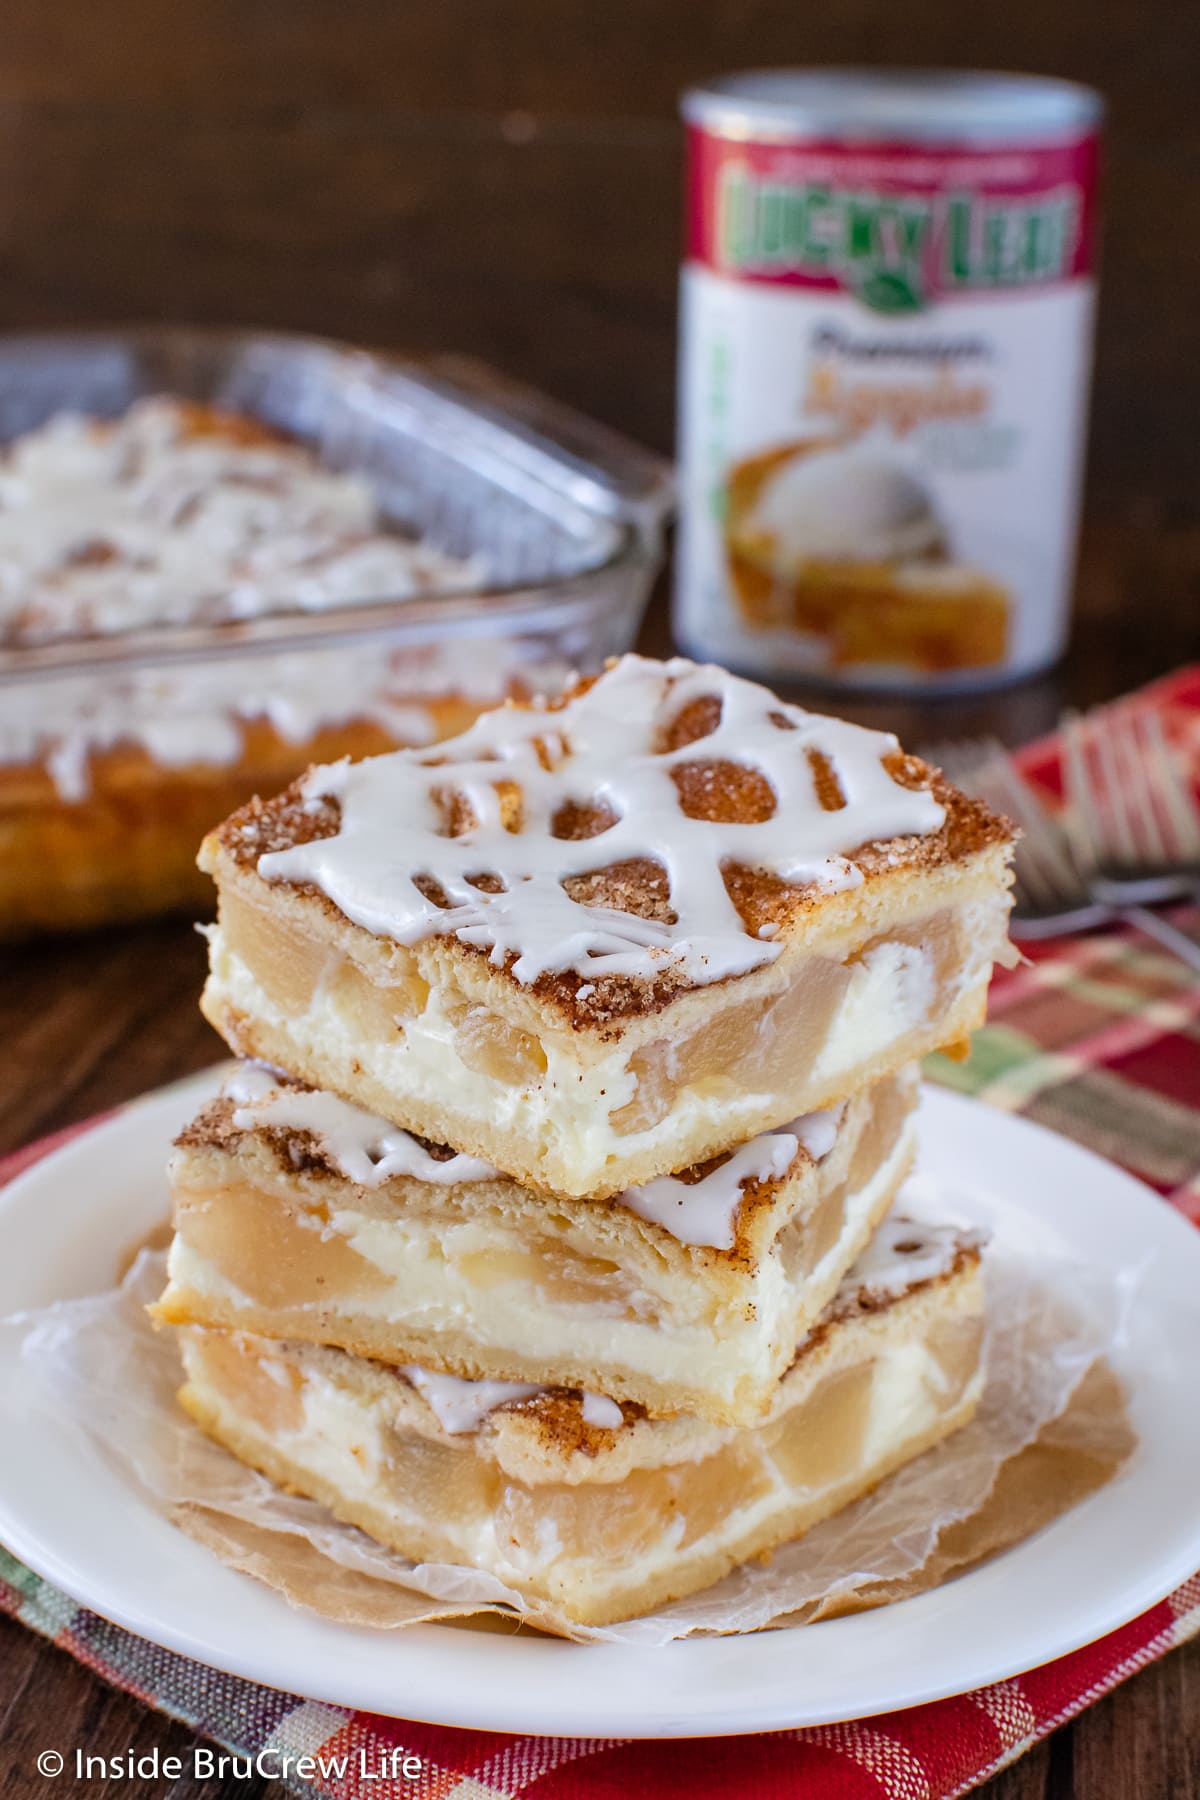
(299, 1216)
(182, 512)
(597, 940)
(575, 1500)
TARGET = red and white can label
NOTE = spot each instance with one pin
(885, 356)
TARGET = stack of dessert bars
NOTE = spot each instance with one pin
(547, 1226)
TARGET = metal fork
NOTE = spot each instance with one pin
(1131, 815)
(1052, 893)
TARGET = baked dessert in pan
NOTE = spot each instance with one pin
(186, 513)
(94, 836)
(182, 514)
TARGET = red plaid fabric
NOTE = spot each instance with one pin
(1097, 1037)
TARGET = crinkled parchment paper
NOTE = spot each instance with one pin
(1052, 1427)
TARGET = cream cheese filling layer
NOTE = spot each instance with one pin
(566, 1116)
(894, 991)
(437, 1284)
(570, 1104)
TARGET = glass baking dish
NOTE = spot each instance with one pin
(119, 749)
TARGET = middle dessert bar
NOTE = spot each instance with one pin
(299, 1216)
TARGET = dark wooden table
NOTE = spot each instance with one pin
(91, 1022)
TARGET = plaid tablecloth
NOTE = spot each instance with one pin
(1099, 1038)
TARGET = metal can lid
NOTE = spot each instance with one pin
(933, 106)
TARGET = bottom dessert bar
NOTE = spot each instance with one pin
(592, 1507)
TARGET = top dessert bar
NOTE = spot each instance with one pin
(601, 939)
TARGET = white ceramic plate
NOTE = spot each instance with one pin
(79, 1522)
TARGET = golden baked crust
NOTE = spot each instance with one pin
(764, 1206)
(546, 1438)
(538, 1142)
(588, 1070)
(548, 1433)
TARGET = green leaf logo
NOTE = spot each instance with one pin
(886, 292)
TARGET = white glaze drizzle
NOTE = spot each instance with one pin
(817, 1131)
(705, 1212)
(904, 1252)
(461, 1406)
(196, 713)
(363, 1148)
(104, 527)
(600, 748)
(599, 1410)
(369, 1150)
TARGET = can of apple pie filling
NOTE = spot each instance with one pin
(886, 332)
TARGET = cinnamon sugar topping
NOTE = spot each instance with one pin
(675, 772)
